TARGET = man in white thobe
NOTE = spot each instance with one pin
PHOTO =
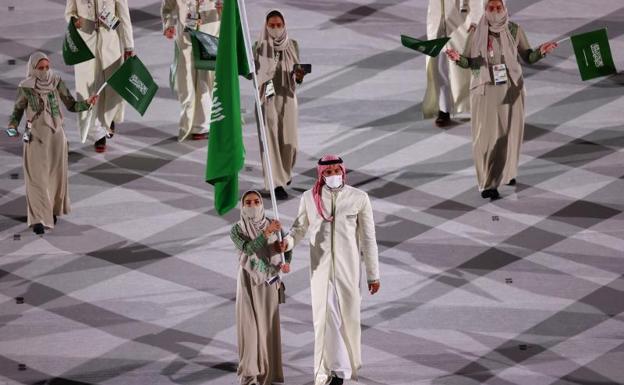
(339, 221)
(448, 86)
(193, 86)
(107, 43)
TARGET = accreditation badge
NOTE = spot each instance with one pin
(500, 74)
(269, 90)
(109, 19)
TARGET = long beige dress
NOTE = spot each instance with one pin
(337, 250)
(448, 86)
(257, 311)
(498, 117)
(193, 87)
(45, 156)
(107, 47)
(281, 114)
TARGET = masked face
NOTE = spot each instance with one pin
(333, 181)
(42, 75)
(495, 17)
(255, 213)
(276, 32)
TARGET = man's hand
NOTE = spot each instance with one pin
(92, 99)
(169, 33)
(285, 268)
(547, 48)
(452, 54)
(472, 28)
(127, 54)
(373, 287)
(78, 23)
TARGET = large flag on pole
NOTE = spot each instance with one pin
(133, 82)
(428, 47)
(593, 54)
(226, 154)
(75, 50)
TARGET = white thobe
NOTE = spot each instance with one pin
(193, 87)
(107, 46)
(448, 86)
(337, 250)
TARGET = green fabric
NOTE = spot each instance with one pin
(593, 54)
(75, 50)
(428, 47)
(27, 97)
(204, 49)
(244, 244)
(226, 153)
(133, 82)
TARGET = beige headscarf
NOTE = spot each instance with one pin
(269, 48)
(509, 46)
(43, 87)
(251, 228)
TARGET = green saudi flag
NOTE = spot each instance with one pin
(75, 50)
(593, 54)
(204, 49)
(133, 82)
(226, 154)
(428, 47)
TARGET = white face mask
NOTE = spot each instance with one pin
(276, 32)
(42, 75)
(255, 213)
(495, 17)
(333, 181)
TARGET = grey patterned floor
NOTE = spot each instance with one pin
(137, 285)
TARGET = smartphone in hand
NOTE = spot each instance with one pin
(307, 68)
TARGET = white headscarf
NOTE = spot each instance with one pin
(509, 45)
(269, 48)
(43, 84)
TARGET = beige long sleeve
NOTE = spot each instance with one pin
(368, 240)
(299, 227)
(125, 24)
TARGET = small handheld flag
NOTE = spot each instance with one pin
(428, 47)
(75, 50)
(593, 54)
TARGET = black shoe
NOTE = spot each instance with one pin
(280, 193)
(100, 145)
(38, 229)
(336, 381)
(54, 218)
(112, 130)
(289, 182)
(490, 193)
(512, 182)
(443, 120)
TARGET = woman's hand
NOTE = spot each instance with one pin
(92, 99)
(169, 32)
(547, 48)
(78, 23)
(285, 268)
(299, 74)
(373, 287)
(272, 227)
(453, 55)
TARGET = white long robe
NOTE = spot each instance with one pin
(457, 24)
(107, 47)
(193, 87)
(337, 250)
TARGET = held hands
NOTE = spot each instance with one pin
(92, 99)
(452, 54)
(169, 33)
(373, 287)
(547, 48)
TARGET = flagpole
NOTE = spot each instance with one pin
(263, 135)
(562, 40)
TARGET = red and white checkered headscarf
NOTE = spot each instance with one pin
(322, 165)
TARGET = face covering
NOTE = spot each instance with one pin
(254, 213)
(333, 181)
(42, 75)
(495, 17)
(276, 32)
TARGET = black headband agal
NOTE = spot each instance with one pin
(322, 162)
